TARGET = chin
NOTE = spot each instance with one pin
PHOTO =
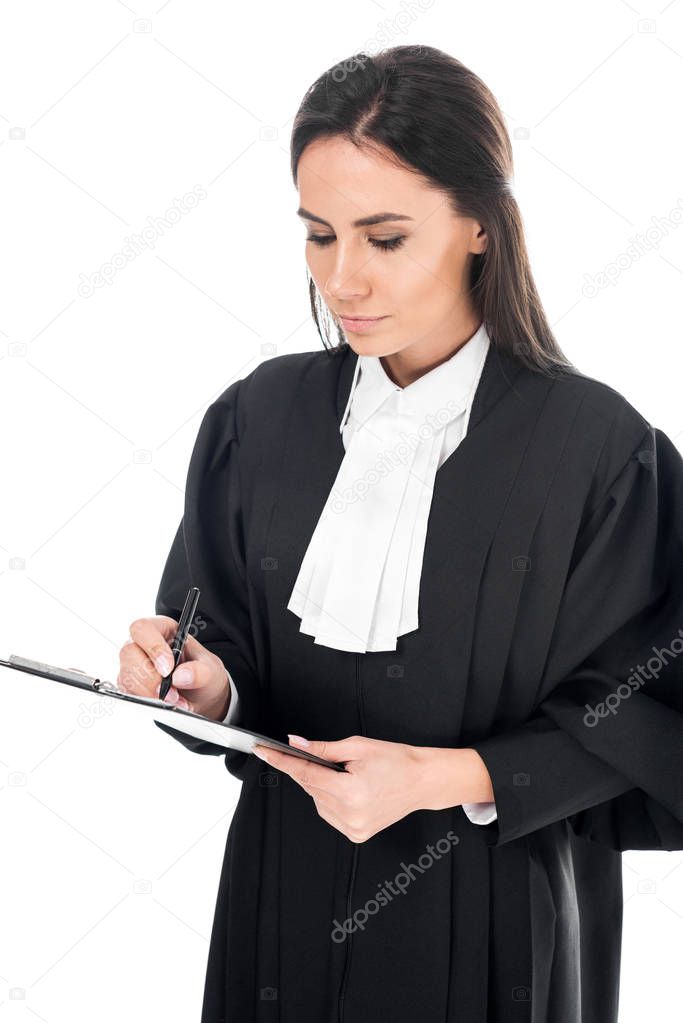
(367, 346)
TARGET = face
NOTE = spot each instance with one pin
(411, 270)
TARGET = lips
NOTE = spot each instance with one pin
(361, 325)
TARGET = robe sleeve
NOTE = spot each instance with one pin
(604, 745)
(208, 552)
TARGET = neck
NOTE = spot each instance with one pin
(416, 359)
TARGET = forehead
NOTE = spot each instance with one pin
(337, 179)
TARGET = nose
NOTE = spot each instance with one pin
(347, 279)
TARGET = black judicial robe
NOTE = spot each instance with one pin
(550, 639)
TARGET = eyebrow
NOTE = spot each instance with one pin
(376, 218)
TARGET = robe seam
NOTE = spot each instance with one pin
(485, 560)
(565, 446)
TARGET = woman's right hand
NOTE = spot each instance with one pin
(141, 659)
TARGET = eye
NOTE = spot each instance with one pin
(320, 239)
(386, 244)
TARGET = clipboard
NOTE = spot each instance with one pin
(196, 725)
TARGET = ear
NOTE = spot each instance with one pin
(480, 238)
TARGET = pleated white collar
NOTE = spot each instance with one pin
(358, 584)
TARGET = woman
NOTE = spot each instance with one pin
(441, 555)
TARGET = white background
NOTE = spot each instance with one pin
(112, 833)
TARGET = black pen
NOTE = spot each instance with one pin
(180, 637)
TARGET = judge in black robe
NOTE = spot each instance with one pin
(551, 618)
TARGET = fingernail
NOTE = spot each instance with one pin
(171, 696)
(182, 675)
(163, 665)
(298, 740)
(259, 753)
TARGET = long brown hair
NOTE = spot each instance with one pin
(432, 114)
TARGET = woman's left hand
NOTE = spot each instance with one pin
(383, 781)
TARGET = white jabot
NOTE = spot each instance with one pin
(358, 584)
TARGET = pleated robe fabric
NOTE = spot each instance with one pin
(551, 577)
